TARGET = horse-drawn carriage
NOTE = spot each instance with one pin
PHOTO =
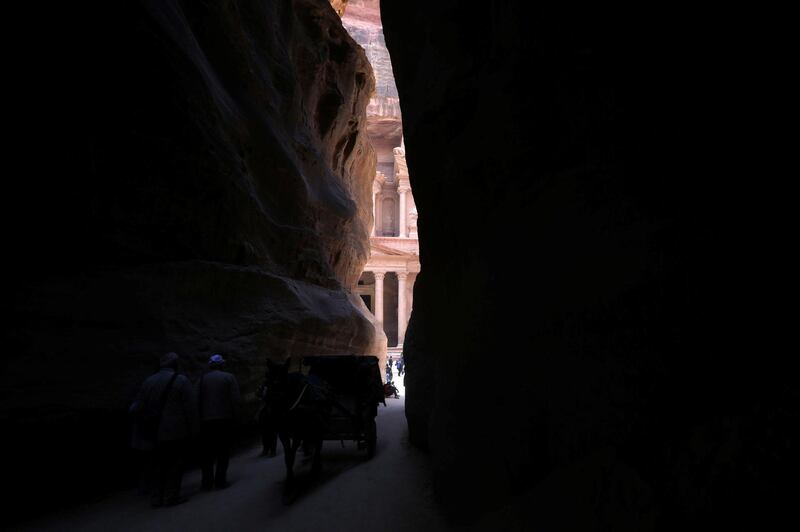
(354, 389)
(335, 399)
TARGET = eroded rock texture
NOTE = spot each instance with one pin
(363, 22)
(199, 180)
(573, 356)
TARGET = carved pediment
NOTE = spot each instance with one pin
(378, 249)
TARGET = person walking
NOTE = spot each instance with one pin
(164, 420)
(218, 402)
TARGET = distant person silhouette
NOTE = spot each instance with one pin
(164, 420)
(218, 401)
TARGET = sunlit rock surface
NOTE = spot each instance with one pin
(339, 6)
(204, 187)
(363, 20)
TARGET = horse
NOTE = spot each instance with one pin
(301, 410)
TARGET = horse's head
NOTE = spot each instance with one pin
(276, 378)
(277, 372)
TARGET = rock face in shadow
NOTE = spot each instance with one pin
(574, 352)
(199, 180)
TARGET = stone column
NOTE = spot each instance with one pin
(411, 295)
(403, 217)
(402, 315)
(374, 214)
(376, 199)
(412, 223)
(379, 296)
(379, 214)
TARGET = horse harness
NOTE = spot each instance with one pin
(331, 400)
(303, 391)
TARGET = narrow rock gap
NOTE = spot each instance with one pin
(586, 250)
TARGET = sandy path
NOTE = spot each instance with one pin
(391, 492)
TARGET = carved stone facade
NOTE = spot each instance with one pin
(387, 284)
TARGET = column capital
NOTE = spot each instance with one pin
(378, 275)
(402, 189)
(402, 275)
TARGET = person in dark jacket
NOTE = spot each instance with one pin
(218, 402)
(165, 403)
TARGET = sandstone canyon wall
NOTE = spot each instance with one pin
(384, 124)
(339, 6)
(198, 180)
(363, 21)
(574, 360)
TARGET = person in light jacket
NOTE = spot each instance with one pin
(218, 403)
(169, 399)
